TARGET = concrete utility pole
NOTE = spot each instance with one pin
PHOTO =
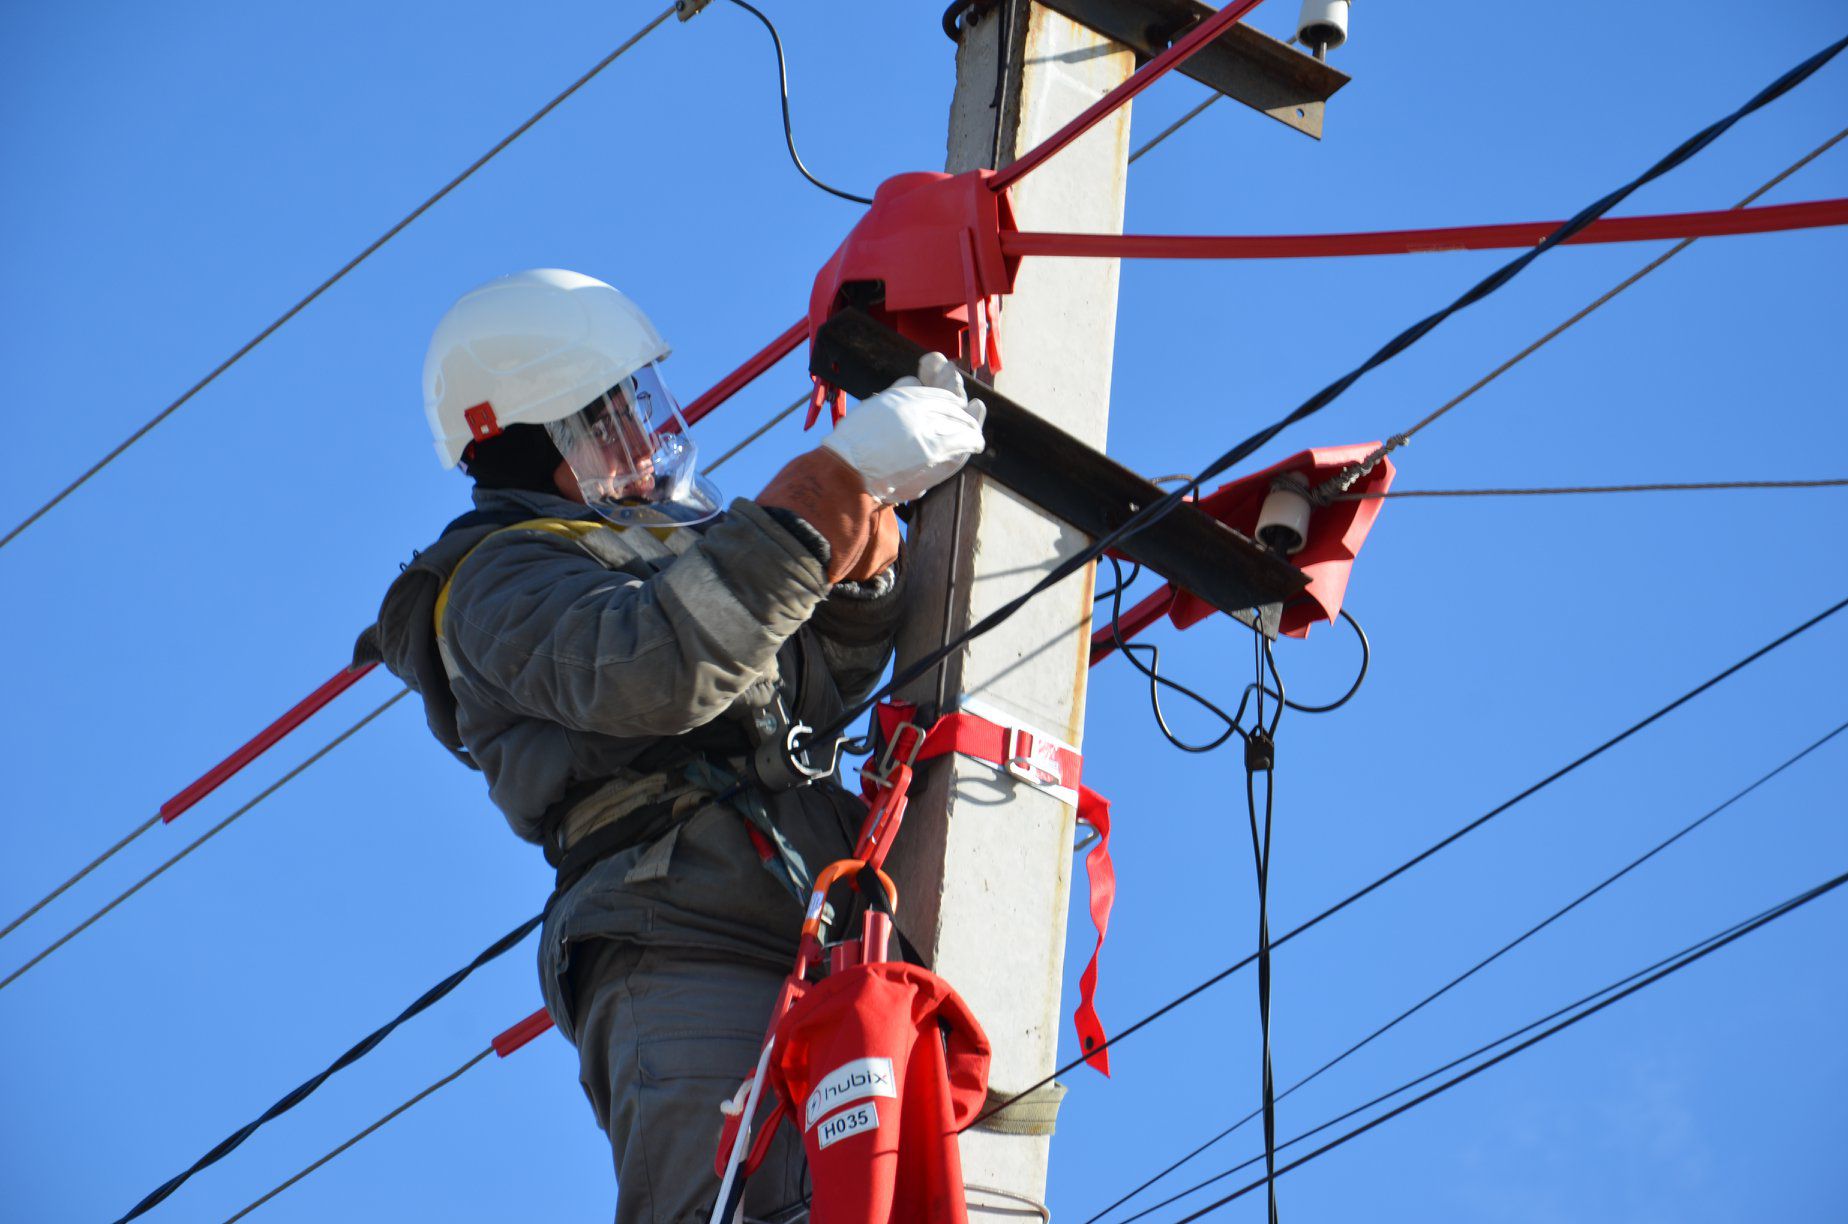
(984, 863)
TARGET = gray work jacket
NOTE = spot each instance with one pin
(565, 662)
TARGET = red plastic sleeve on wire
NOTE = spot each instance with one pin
(1773, 218)
(741, 377)
(512, 1039)
(262, 742)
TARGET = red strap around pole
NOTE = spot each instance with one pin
(1057, 768)
(262, 742)
(1721, 222)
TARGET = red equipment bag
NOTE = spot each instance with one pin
(880, 1066)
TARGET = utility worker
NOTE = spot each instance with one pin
(625, 663)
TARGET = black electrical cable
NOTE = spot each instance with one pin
(1584, 1000)
(1260, 757)
(1741, 932)
(1434, 848)
(243, 809)
(365, 1046)
(952, 27)
(782, 81)
(1152, 669)
(1366, 661)
(1122, 583)
(1156, 510)
(1476, 968)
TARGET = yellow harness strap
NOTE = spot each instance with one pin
(571, 529)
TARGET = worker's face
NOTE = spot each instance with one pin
(608, 450)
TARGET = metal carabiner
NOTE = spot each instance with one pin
(782, 764)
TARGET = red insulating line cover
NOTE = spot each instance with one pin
(512, 1039)
(263, 741)
(741, 377)
(1769, 219)
(1143, 77)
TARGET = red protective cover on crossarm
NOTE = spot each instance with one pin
(1336, 531)
(913, 240)
(882, 1149)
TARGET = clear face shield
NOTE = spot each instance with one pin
(634, 463)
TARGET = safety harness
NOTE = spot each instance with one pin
(671, 781)
(879, 1063)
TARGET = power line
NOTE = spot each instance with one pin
(1458, 1061)
(1174, 127)
(1484, 963)
(433, 1088)
(776, 418)
(100, 859)
(363, 1047)
(92, 865)
(1568, 490)
(331, 281)
(1165, 505)
(1740, 932)
(1398, 440)
(204, 837)
(1429, 851)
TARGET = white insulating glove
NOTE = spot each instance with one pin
(913, 435)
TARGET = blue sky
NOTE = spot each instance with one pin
(179, 174)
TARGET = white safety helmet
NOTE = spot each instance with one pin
(566, 351)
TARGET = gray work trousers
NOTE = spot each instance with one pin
(664, 1034)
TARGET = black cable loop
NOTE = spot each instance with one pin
(1366, 659)
(1156, 679)
(782, 80)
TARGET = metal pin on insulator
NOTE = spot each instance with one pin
(1322, 26)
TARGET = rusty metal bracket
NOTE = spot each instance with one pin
(1071, 481)
(1244, 64)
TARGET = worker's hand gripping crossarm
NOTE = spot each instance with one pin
(892, 448)
(912, 436)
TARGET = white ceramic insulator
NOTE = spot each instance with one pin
(1323, 23)
(1283, 523)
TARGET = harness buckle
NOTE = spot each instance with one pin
(1033, 759)
(901, 749)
